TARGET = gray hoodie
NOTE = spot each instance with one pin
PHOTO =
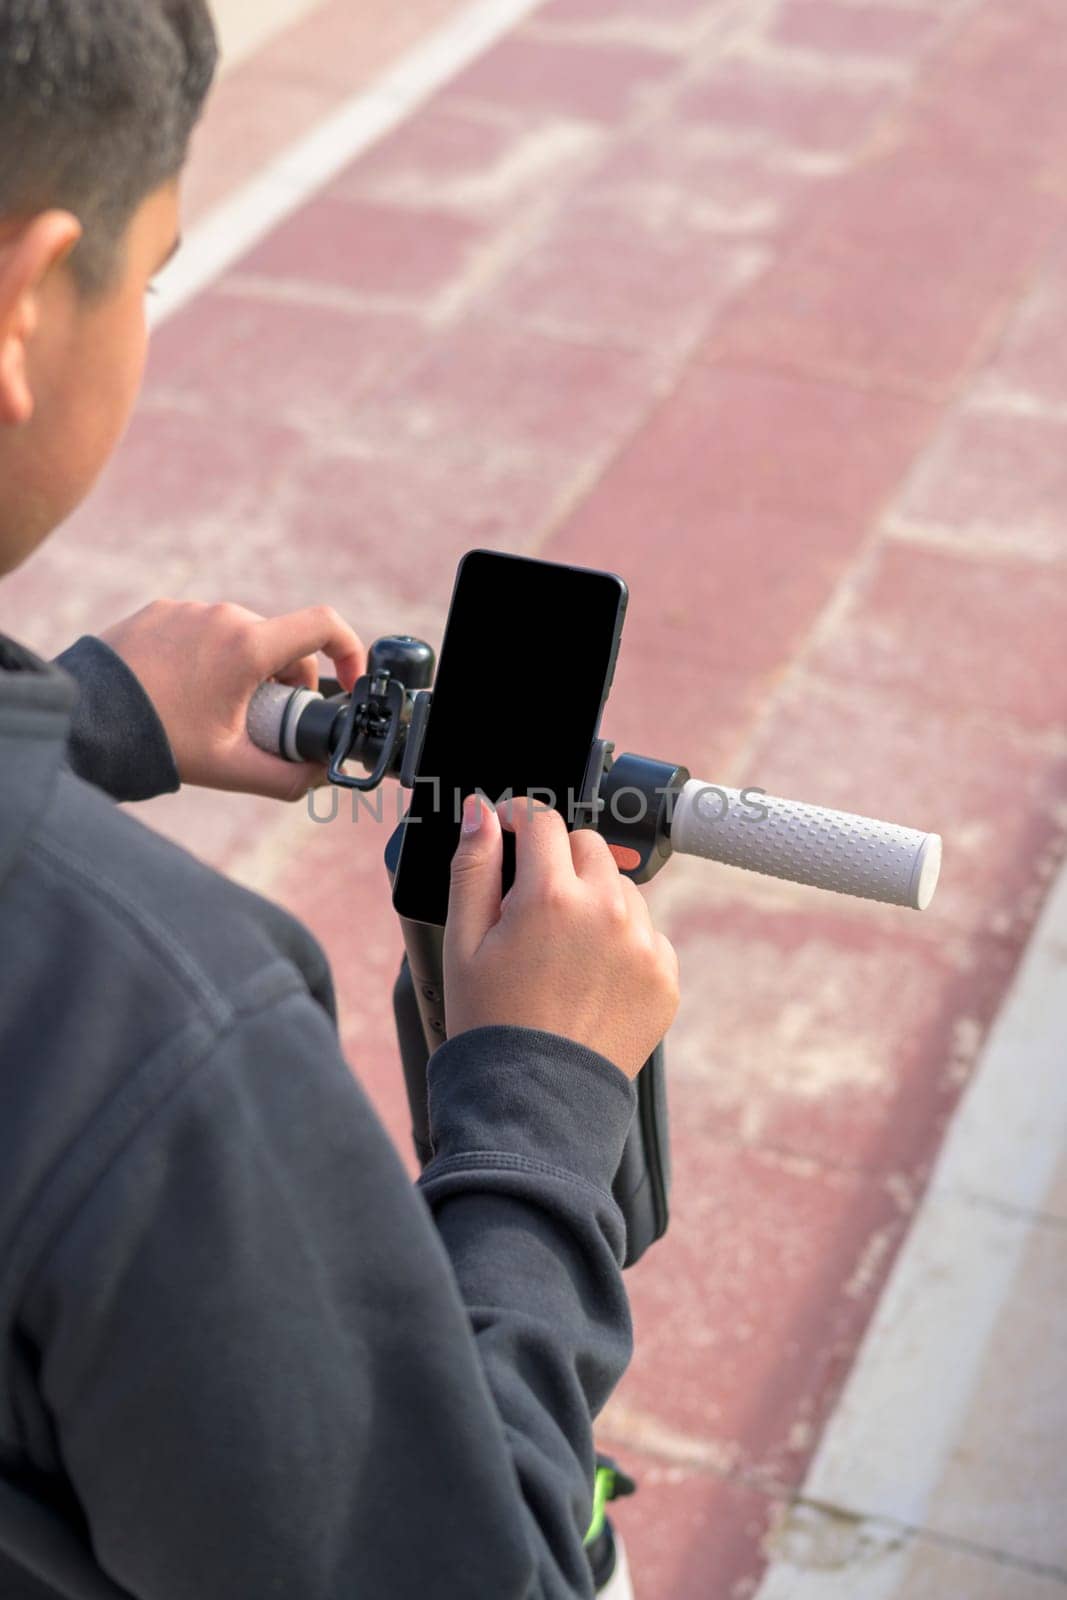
(240, 1354)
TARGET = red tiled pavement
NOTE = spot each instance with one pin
(674, 171)
(397, 526)
(1031, 361)
(346, 47)
(689, 1533)
(584, 278)
(997, 788)
(407, 255)
(283, 91)
(779, 479)
(748, 1311)
(740, 441)
(589, 82)
(469, 158)
(775, 335)
(879, 33)
(994, 482)
(911, 626)
(73, 586)
(994, 98)
(804, 117)
(247, 123)
(901, 276)
(487, 382)
(182, 487)
(613, 13)
(822, 1033)
(322, 359)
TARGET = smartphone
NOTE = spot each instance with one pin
(525, 667)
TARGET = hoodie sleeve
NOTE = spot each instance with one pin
(271, 1373)
(117, 741)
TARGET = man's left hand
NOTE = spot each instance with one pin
(200, 666)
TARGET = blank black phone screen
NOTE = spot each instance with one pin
(525, 666)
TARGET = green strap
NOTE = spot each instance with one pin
(603, 1491)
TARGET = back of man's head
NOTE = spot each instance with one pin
(97, 102)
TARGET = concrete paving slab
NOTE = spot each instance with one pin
(819, 1556)
(952, 1421)
(1008, 1143)
(909, 1395)
(1005, 1483)
(1055, 1202)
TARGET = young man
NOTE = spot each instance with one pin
(240, 1354)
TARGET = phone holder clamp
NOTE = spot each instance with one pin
(384, 718)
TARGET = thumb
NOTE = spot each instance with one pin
(477, 866)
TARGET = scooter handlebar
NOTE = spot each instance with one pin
(742, 828)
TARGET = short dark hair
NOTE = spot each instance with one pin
(98, 99)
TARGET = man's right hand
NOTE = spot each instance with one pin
(570, 948)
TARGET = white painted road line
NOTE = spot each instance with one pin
(240, 221)
(921, 1377)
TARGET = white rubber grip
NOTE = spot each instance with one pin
(268, 725)
(807, 844)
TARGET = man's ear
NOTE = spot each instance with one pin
(28, 252)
